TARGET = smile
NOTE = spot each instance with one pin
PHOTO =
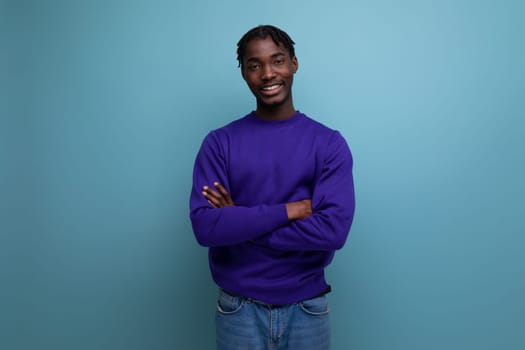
(271, 87)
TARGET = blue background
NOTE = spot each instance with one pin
(104, 106)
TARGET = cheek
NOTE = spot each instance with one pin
(290, 78)
(288, 74)
(251, 85)
(250, 80)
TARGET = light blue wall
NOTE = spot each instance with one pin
(108, 101)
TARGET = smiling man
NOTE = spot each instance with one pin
(273, 199)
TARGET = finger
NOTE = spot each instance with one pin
(217, 203)
(224, 193)
(220, 198)
(221, 189)
(214, 194)
(215, 197)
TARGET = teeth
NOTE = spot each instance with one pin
(269, 88)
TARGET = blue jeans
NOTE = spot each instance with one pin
(247, 324)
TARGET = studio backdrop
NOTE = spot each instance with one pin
(105, 104)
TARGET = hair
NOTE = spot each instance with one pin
(260, 32)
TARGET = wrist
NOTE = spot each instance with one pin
(299, 210)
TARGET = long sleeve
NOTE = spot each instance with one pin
(333, 202)
(254, 249)
(230, 225)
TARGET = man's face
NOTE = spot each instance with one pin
(268, 70)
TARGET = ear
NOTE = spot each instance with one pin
(295, 64)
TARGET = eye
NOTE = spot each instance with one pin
(254, 66)
(279, 61)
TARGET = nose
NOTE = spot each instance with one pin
(267, 72)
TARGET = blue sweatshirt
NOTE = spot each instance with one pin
(254, 250)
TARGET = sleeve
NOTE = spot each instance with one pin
(229, 225)
(333, 204)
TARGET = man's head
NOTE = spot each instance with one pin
(267, 59)
(278, 36)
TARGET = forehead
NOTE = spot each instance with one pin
(260, 48)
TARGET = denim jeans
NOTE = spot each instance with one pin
(247, 324)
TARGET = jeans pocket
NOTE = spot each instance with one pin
(229, 304)
(315, 307)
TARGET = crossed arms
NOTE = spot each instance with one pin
(321, 222)
(220, 198)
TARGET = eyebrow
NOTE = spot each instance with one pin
(256, 59)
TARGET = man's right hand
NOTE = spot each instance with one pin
(299, 210)
(221, 198)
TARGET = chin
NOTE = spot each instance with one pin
(272, 101)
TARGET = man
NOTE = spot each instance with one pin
(272, 198)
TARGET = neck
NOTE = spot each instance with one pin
(278, 112)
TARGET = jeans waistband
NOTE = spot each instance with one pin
(323, 293)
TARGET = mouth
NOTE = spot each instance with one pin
(271, 89)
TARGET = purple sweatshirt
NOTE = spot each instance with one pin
(254, 250)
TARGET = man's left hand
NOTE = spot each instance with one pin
(218, 198)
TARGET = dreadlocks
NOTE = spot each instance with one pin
(278, 36)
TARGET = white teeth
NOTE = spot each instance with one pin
(269, 88)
